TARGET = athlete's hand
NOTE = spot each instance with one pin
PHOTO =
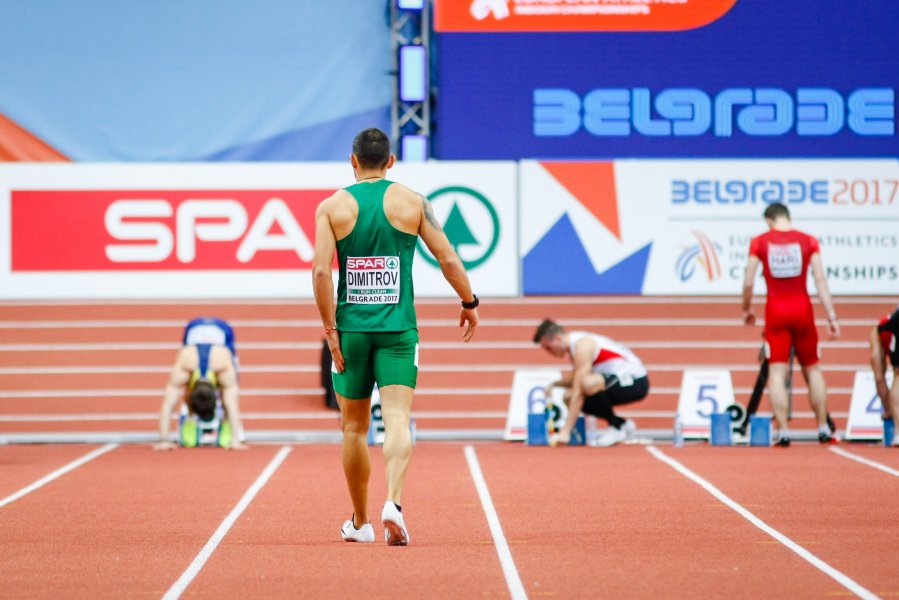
(238, 445)
(833, 328)
(469, 315)
(334, 347)
(748, 317)
(164, 446)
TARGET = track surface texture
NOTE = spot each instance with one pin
(74, 369)
(486, 518)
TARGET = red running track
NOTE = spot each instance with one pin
(579, 522)
(99, 368)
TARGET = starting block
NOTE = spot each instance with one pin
(194, 432)
(721, 432)
(539, 434)
(759, 431)
(704, 393)
(865, 420)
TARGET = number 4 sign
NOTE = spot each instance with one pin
(701, 394)
(864, 421)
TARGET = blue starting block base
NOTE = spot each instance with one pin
(721, 434)
(759, 431)
(538, 431)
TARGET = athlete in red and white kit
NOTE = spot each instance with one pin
(786, 255)
(606, 374)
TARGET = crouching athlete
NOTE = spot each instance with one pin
(205, 378)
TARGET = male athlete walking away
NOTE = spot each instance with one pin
(373, 226)
(786, 255)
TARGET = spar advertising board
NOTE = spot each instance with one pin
(225, 230)
(608, 79)
(684, 227)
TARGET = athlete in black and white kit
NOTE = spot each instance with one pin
(606, 374)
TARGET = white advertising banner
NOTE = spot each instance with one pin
(212, 230)
(684, 227)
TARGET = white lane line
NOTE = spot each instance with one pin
(133, 394)
(316, 323)
(816, 562)
(513, 580)
(446, 345)
(194, 568)
(260, 416)
(453, 368)
(58, 473)
(513, 300)
(865, 461)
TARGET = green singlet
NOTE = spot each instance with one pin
(375, 299)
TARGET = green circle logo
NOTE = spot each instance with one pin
(470, 223)
(392, 263)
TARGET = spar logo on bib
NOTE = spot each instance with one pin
(785, 260)
(373, 279)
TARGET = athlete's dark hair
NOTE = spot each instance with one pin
(547, 329)
(372, 148)
(776, 210)
(202, 400)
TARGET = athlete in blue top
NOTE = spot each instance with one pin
(204, 371)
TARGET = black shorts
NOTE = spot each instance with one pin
(615, 393)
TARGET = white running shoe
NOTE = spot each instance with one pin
(629, 428)
(394, 526)
(364, 534)
(896, 439)
(611, 437)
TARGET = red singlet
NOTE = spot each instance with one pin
(789, 318)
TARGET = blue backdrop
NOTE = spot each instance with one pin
(768, 49)
(104, 80)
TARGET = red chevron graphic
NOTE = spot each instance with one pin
(593, 185)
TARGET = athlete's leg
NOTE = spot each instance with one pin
(355, 418)
(396, 408)
(395, 365)
(777, 393)
(805, 341)
(778, 341)
(593, 383)
(817, 392)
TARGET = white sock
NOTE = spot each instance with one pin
(825, 429)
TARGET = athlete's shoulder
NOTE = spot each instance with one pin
(403, 193)
(335, 199)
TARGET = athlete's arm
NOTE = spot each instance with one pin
(833, 326)
(879, 367)
(563, 382)
(583, 364)
(450, 264)
(174, 390)
(752, 267)
(227, 379)
(322, 282)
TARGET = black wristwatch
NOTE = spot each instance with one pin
(473, 304)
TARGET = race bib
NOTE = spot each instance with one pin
(785, 260)
(373, 279)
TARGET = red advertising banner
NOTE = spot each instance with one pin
(577, 15)
(163, 230)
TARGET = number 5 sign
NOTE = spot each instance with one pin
(701, 394)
